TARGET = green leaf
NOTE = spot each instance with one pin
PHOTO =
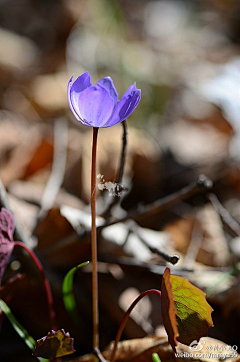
(23, 333)
(168, 309)
(193, 313)
(155, 357)
(55, 344)
(67, 290)
(190, 313)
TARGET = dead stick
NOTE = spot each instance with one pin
(58, 168)
(106, 214)
(173, 259)
(203, 184)
(227, 219)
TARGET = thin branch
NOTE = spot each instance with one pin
(107, 213)
(58, 168)
(194, 245)
(98, 354)
(203, 184)
(173, 259)
(231, 224)
(123, 154)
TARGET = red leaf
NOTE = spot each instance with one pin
(55, 344)
(168, 309)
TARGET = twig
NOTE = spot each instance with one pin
(194, 245)
(18, 233)
(58, 169)
(106, 214)
(123, 154)
(98, 354)
(203, 184)
(173, 259)
(232, 225)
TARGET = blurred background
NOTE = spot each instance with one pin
(185, 57)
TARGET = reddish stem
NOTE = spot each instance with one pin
(45, 281)
(94, 242)
(126, 316)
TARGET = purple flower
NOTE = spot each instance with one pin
(98, 105)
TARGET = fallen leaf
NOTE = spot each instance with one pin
(141, 350)
(168, 309)
(6, 239)
(193, 313)
(55, 344)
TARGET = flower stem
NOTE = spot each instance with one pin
(45, 281)
(125, 318)
(94, 242)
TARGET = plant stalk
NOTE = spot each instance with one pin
(126, 316)
(94, 242)
(45, 281)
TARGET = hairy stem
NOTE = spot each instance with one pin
(94, 242)
(126, 316)
(45, 282)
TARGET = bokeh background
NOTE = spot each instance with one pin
(185, 57)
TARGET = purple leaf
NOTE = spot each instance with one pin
(6, 239)
(7, 223)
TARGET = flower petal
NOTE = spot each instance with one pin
(107, 83)
(96, 106)
(73, 91)
(131, 89)
(125, 106)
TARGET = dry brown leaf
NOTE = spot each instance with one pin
(186, 139)
(18, 53)
(41, 158)
(50, 91)
(212, 249)
(58, 240)
(18, 142)
(181, 232)
(142, 349)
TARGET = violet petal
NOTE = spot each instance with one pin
(96, 106)
(73, 91)
(125, 107)
(107, 83)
